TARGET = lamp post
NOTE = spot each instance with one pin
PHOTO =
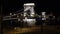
(11, 20)
(43, 20)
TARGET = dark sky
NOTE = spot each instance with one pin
(15, 5)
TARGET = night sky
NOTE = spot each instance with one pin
(46, 5)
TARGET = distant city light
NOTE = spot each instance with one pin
(10, 13)
(30, 22)
(18, 19)
(14, 14)
(17, 16)
(43, 13)
(32, 15)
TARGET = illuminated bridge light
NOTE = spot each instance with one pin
(29, 4)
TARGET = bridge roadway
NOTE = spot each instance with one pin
(10, 19)
(47, 29)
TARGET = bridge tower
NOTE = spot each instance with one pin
(29, 10)
(29, 7)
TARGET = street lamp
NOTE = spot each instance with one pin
(43, 20)
(11, 19)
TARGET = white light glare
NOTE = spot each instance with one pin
(29, 4)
